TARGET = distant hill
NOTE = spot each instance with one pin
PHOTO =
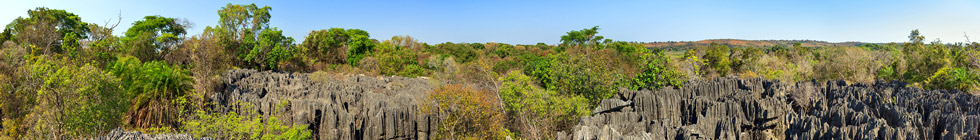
(684, 45)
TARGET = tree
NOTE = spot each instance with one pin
(153, 37)
(272, 49)
(465, 113)
(461, 52)
(6, 35)
(239, 28)
(156, 88)
(717, 56)
(338, 45)
(923, 60)
(584, 37)
(397, 60)
(65, 101)
(45, 29)
(102, 45)
(538, 113)
(657, 72)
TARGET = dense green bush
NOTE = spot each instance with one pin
(744, 59)
(657, 72)
(954, 78)
(338, 45)
(157, 90)
(537, 113)
(461, 52)
(57, 100)
(45, 29)
(575, 73)
(397, 60)
(717, 57)
(273, 48)
(152, 37)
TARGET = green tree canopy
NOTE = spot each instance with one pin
(338, 45)
(584, 37)
(46, 28)
(153, 35)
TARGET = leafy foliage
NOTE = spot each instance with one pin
(657, 72)
(156, 89)
(338, 45)
(248, 125)
(273, 48)
(397, 60)
(954, 78)
(538, 113)
(153, 35)
(46, 29)
(466, 113)
(717, 57)
(64, 101)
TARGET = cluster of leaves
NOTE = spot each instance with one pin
(247, 125)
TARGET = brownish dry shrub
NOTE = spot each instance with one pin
(466, 113)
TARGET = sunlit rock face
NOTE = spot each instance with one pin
(342, 107)
(763, 109)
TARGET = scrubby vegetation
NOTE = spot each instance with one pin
(61, 78)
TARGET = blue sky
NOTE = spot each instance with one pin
(528, 22)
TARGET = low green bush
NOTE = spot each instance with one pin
(248, 125)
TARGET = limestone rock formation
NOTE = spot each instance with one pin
(763, 109)
(343, 107)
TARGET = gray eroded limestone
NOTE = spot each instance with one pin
(763, 109)
(344, 107)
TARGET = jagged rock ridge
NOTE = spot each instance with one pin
(344, 107)
(763, 109)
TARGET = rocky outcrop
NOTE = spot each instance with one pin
(762, 109)
(342, 107)
(119, 134)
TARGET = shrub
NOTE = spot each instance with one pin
(954, 78)
(657, 72)
(156, 89)
(692, 64)
(923, 60)
(743, 59)
(64, 101)
(462, 52)
(466, 113)
(575, 73)
(538, 113)
(320, 77)
(248, 125)
(717, 57)
(369, 65)
(395, 60)
(848, 63)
